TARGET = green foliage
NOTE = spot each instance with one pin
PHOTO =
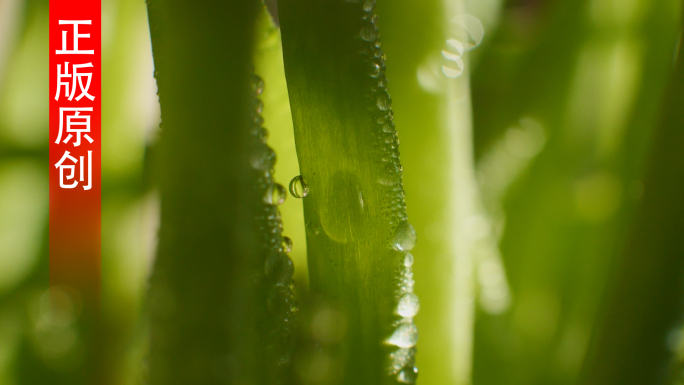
(434, 118)
(648, 280)
(207, 291)
(543, 178)
(348, 156)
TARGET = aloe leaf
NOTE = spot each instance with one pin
(358, 238)
(221, 303)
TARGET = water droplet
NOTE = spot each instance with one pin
(264, 158)
(258, 120)
(408, 305)
(368, 5)
(451, 57)
(258, 84)
(262, 134)
(271, 263)
(313, 228)
(408, 375)
(407, 282)
(369, 32)
(453, 54)
(400, 359)
(275, 195)
(429, 74)
(374, 18)
(375, 70)
(452, 72)
(404, 336)
(455, 48)
(298, 187)
(377, 44)
(404, 237)
(392, 175)
(279, 265)
(258, 106)
(287, 244)
(469, 28)
(384, 101)
(389, 127)
(408, 260)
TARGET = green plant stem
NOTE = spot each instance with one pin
(592, 82)
(458, 126)
(207, 295)
(442, 192)
(268, 63)
(630, 346)
(347, 150)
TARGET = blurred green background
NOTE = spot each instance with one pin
(566, 95)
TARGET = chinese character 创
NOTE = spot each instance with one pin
(72, 170)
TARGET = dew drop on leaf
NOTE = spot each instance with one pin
(404, 237)
(275, 195)
(374, 70)
(453, 71)
(388, 127)
(258, 84)
(469, 29)
(392, 175)
(382, 82)
(258, 120)
(454, 48)
(408, 305)
(368, 5)
(264, 158)
(279, 265)
(384, 101)
(313, 228)
(298, 187)
(400, 359)
(404, 336)
(408, 375)
(369, 32)
(258, 106)
(260, 133)
(287, 244)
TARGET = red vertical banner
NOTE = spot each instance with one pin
(75, 146)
